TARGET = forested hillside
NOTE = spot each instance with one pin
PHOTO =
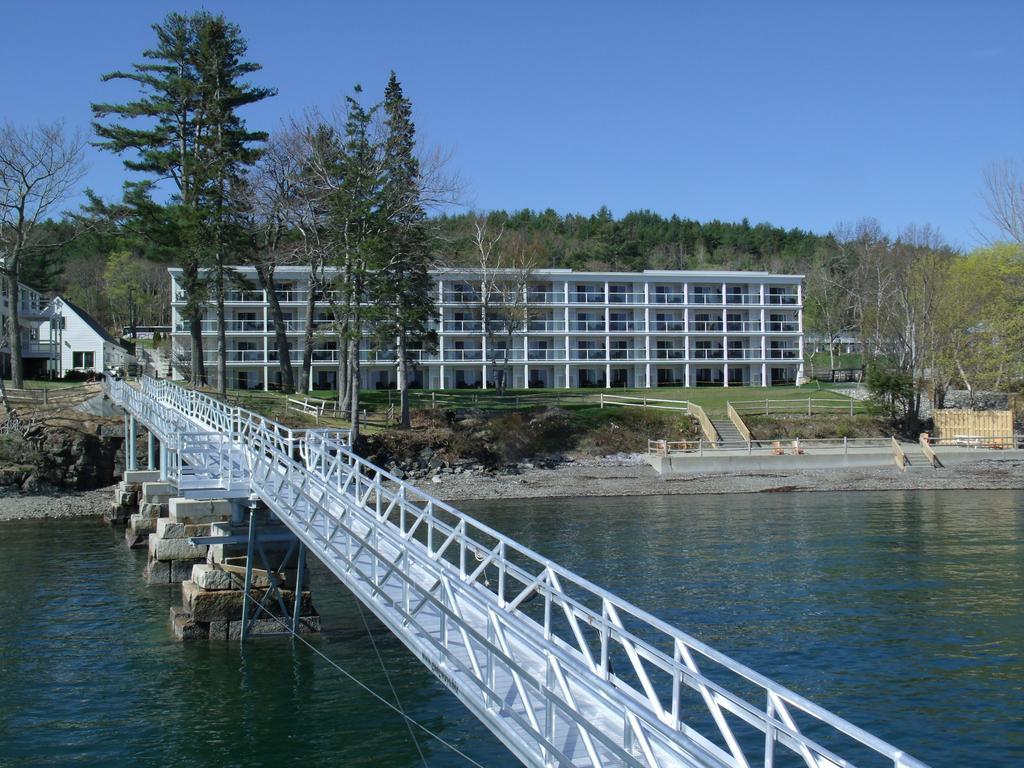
(646, 240)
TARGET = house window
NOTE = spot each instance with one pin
(83, 360)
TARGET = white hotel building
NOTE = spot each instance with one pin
(585, 329)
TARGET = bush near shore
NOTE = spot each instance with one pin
(468, 437)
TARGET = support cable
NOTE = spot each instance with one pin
(384, 669)
(409, 720)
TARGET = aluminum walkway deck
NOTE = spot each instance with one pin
(562, 671)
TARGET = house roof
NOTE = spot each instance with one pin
(89, 320)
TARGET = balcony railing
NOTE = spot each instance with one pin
(463, 326)
(706, 326)
(625, 297)
(545, 297)
(781, 298)
(240, 297)
(586, 297)
(388, 356)
(788, 326)
(589, 326)
(460, 297)
(742, 298)
(743, 326)
(783, 354)
(37, 347)
(627, 354)
(706, 298)
(668, 326)
(668, 353)
(463, 354)
(542, 326)
(707, 354)
(586, 353)
(667, 297)
(744, 354)
(619, 326)
(546, 354)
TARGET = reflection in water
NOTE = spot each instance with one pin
(903, 612)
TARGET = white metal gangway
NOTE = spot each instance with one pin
(561, 670)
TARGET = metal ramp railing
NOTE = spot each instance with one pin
(561, 670)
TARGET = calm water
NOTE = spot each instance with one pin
(903, 612)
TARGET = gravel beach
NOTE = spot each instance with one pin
(57, 505)
(623, 475)
(632, 476)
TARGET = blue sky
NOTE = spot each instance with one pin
(802, 114)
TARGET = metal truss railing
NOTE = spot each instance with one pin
(563, 671)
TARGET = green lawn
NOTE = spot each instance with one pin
(44, 384)
(712, 399)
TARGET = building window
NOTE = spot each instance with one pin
(84, 360)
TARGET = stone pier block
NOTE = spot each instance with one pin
(181, 570)
(233, 629)
(157, 572)
(210, 578)
(140, 526)
(174, 549)
(226, 605)
(138, 477)
(196, 511)
(153, 510)
(168, 529)
(185, 627)
(157, 492)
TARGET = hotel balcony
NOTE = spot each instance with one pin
(743, 326)
(545, 326)
(743, 353)
(627, 326)
(545, 354)
(587, 326)
(706, 326)
(707, 354)
(668, 326)
(667, 297)
(742, 298)
(668, 353)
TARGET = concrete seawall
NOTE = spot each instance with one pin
(727, 460)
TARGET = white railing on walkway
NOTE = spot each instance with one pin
(562, 671)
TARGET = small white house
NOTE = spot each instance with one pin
(84, 344)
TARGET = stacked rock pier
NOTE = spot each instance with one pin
(242, 572)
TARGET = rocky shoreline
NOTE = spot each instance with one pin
(617, 475)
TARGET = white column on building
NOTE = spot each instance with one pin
(440, 332)
(800, 330)
(687, 370)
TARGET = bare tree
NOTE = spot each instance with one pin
(501, 270)
(1004, 200)
(39, 169)
(270, 200)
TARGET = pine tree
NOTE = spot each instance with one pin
(190, 88)
(401, 286)
(225, 149)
